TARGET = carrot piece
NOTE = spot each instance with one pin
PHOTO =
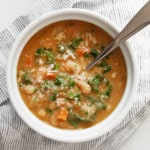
(81, 51)
(29, 60)
(51, 75)
(62, 115)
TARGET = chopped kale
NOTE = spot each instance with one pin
(71, 82)
(103, 64)
(61, 47)
(59, 80)
(92, 99)
(107, 68)
(73, 123)
(74, 44)
(40, 51)
(49, 111)
(35, 90)
(95, 82)
(45, 52)
(77, 118)
(53, 97)
(35, 99)
(56, 66)
(26, 78)
(108, 90)
(76, 97)
(47, 84)
(70, 95)
(94, 53)
(97, 102)
(85, 118)
(86, 55)
(101, 105)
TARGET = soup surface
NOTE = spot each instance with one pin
(54, 84)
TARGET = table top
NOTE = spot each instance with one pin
(140, 138)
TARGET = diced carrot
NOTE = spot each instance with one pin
(29, 60)
(62, 115)
(51, 75)
(81, 51)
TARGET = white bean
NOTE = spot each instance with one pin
(40, 74)
(41, 113)
(29, 89)
(71, 66)
(84, 87)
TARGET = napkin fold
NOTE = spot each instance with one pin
(16, 135)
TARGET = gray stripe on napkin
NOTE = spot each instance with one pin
(16, 135)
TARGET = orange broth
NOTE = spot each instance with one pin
(54, 84)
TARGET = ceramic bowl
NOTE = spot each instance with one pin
(71, 135)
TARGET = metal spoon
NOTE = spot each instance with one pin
(139, 21)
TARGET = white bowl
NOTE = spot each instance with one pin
(71, 135)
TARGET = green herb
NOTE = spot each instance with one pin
(106, 93)
(101, 105)
(103, 64)
(35, 99)
(75, 117)
(94, 53)
(107, 68)
(47, 84)
(53, 96)
(92, 99)
(73, 123)
(61, 47)
(85, 118)
(86, 113)
(97, 102)
(71, 82)
(108, 90)
(86, 55)
(45, 52)
(35, 90)
(50, 57)
(59, 80)
(40, 51)
(74, 44)
(26, 78)
(56, 67)
(76, 97)
(70, 95)
(49, 111)
(95, 82)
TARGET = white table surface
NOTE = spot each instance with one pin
(10, 9)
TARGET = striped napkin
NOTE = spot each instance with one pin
(16, 135)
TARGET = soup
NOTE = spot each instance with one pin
(54, 84)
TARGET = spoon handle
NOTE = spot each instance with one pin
(138, 22)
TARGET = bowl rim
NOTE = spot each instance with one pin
(78, 133)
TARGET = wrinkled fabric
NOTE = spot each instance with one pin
(16, 135)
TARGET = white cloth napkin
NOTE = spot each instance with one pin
(16, 135)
